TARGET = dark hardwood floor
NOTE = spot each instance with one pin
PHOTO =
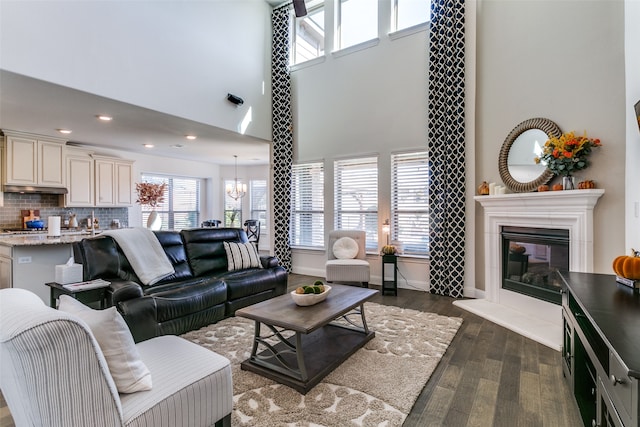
(489, 376)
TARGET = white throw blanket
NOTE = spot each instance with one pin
(144, 252)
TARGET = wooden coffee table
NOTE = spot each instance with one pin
(304, 344)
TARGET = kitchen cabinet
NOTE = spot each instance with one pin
(33, 160)
(114, 181)
(80, 178)
(601, 349)
(6, 274)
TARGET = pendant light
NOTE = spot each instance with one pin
(236, 190)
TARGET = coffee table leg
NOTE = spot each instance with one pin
(364, 328)
(273, 353)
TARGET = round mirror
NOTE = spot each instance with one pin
(524, 143)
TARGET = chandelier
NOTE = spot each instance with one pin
(236, 190)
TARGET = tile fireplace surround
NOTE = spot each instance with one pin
(570, 210)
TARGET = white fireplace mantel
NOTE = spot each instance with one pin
(570, 210)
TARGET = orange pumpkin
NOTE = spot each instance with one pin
(557, 187)
(543, 187)
(483, 189)
(628, 266)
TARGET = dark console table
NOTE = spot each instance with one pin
(601, 349)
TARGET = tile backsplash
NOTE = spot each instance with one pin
(49, 205)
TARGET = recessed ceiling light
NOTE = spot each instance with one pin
(190, 137)
(147, 145)
(105, 118)
(65, 131)
(177, 146)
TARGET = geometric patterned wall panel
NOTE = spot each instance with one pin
(282, 149)
(446, 148)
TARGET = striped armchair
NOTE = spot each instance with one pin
(53, 373)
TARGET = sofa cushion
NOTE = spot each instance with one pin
(241, 256)
(110, 330)
(205, 248)
(345, 248)
(173, 246)
(99, 257)
(174, 300)
(241, 283)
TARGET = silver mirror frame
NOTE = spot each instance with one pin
(545, 125)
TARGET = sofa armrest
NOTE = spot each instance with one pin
(140, 314)
(269, 261)
(122, 290)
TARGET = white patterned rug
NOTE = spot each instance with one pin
(377, 385)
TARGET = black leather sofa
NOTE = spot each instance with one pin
(200, 292)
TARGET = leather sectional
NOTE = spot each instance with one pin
(200, 292)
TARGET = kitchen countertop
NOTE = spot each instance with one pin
(41, 239)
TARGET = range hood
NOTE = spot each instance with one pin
(32, 189)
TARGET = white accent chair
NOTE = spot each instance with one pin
(347, 270)
(53, 373)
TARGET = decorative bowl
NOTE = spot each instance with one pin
(36, 223)
(305, 300)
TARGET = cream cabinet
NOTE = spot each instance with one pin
(114, 181)
(80, 178)
(33, 160)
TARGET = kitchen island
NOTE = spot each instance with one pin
(28, 261)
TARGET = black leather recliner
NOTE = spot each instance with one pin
(200, 292)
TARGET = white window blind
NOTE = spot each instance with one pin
(181, 206)
(410, 201)
(356, 197)
(307, 205)
(258, 200)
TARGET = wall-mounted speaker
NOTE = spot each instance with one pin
(300, 8)
(234, 99)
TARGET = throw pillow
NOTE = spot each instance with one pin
(128, 371)
(345, 248)
(241, 256)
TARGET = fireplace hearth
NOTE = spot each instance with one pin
(531, 259)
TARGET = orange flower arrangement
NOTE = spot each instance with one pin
(567, 153)
(150, 194)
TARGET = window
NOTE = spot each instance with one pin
(181, 206)
(357, 22)
(232, 208)
(408, 13)
(356, 197)
(410, 201)
(258, 202)
(308, 35)
(307, 205)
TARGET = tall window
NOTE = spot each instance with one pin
(232, 208)
(308, 35)
(407, 13)
(410, 202)
(181, 206)
(357, 22)
(258, 202)
(356, 197)
(307, 205)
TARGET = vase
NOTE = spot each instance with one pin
(154, 222)
(568, 183)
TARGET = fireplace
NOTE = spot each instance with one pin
(531, 258)
(562, 214)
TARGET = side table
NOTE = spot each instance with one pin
(390, 285)
(85, 296)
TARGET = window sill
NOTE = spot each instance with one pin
(355, 48)
(409, 31)
(309, 63)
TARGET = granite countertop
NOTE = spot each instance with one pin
(41, 239)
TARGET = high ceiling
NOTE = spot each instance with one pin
(39, 107)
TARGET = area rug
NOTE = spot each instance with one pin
(378, 385)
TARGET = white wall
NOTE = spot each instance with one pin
(632, 60)
(563, 61)
(372, 101)
(176, 57)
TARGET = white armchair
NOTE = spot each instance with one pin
(346, 257)
(54, 373)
